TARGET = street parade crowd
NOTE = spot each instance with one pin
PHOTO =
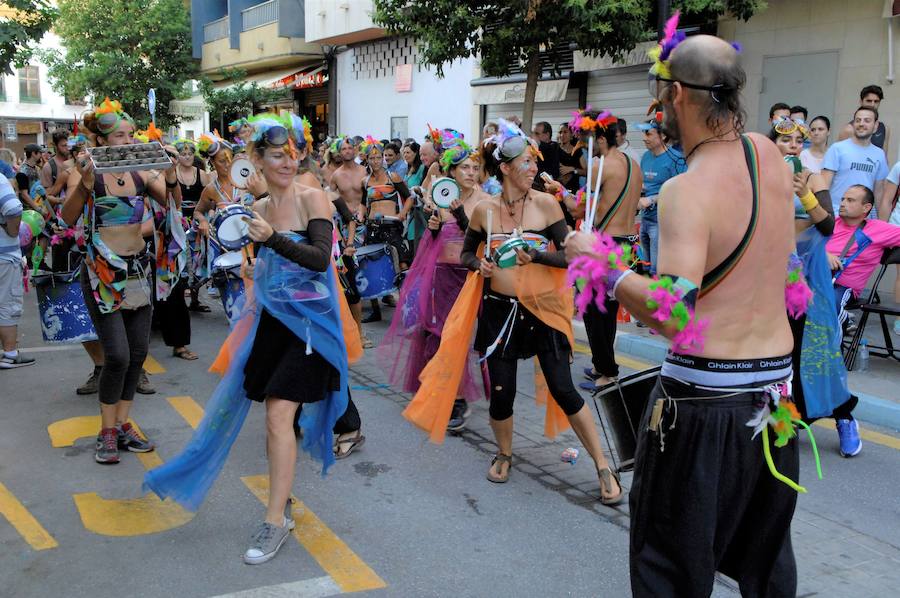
(742, 249)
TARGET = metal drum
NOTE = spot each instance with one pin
(64, 316)
(377, 274)
(226, 277)
(623, 405)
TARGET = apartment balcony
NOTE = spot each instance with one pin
(256, 36)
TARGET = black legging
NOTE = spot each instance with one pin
(555, 366)
(173, 316)
(601, 333)
(125, 337)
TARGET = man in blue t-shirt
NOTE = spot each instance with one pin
(856, 161)
(659, 164)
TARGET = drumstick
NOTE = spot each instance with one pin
(487, 244)
(246, 251)
(587, 189)
(596, 200)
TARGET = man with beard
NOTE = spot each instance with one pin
(347, 181)
(857, 161)
(55, 172)
(703, 498)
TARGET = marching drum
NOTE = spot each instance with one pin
(444, 191)
(505, 254)
(231, 230)
(377, 272)
(240, 170)
(64, 316)
(226, 277)
(623, 405)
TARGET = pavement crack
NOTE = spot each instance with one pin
(473, 504)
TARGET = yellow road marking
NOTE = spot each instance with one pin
(347, 570)
(870, 435)
(66, 431)
(188, 409)
(24, 522)
(630, 363)
(151, 366)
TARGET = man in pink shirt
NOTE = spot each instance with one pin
(854, 267)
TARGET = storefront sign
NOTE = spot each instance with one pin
(303, 79)
(28, 127)
(403, 78)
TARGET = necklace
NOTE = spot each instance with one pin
(713, 139)
(121, 182)
(509, 208)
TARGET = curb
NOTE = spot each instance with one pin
(871, 409)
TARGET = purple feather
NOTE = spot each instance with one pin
(737, 47)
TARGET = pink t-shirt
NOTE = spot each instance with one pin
(857, 273)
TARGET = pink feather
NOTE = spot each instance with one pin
(671, 26)
(797, 297)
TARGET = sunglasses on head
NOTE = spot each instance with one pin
(276, 136)
(108, 121)
(787, 126)
(513, 148)
(653, 86)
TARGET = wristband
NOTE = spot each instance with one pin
(615, 279)
(809, 201)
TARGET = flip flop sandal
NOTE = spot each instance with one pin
(500, 458)
(354, 443)
(185, 354)
(606, 477)
(199, 307)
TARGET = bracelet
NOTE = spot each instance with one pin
(809, 201)
(618, 280)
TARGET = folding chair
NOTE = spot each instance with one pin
(873, 305)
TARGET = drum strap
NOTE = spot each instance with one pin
(611, 212)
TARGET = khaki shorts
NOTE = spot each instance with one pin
(11, 293)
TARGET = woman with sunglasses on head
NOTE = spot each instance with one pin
(525, 310)
(820, 377)
(813, 156)
(286, 350)
(432, 284)
(193, 180)
(115, 276)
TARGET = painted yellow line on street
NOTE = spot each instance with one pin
(869, 435)
(24, 522)
(188, 409)
(347, 570)
(628, 362)
(151, 366)
(66, 431)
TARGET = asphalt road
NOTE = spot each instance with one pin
(402, 517)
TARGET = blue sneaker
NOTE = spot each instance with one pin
(848, 432)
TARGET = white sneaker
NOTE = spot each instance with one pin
(269, 538)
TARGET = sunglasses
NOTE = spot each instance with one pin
(513, 148)
(108, 122)
(276, 136)
(653, 86)
(787, 126)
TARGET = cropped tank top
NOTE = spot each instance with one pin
(190, 194)
(118, 210)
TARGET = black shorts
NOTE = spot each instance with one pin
(528, 336)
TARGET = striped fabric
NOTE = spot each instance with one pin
(10, 207)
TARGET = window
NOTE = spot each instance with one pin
(2, 88)
(29, 84)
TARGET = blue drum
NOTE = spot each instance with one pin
(377, 273)
(64, 316)
(227, 279)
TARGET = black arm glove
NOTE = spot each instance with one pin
(461, 219)
(467, 256)
(826, 227)
(317, 255)
(555, 259)
(343, 210)
(402, 189)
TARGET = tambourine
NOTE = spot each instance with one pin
(240, 171)
(504, 255)
(231, 230)
(444, 191)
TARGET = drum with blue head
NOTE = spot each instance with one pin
(64, 316)
(227, 279)
(232, 230)
(377, 273)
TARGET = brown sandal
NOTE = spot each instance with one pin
(184, 353)
(606, 477)
(501, 458)
(352, 443)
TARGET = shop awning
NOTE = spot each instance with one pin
(192, 107)
(266, 79)
(586, 62)
(304, 79)
(514, 93)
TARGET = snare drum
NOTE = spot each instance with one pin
(444, 191)
(505, 254)
(376, 274)
(623, 405)
(226, 277)
(231, 230)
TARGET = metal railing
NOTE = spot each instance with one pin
(217, 29)
(259, 15)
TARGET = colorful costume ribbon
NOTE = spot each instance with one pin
(797, 295)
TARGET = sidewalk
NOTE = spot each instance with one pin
(878, 388)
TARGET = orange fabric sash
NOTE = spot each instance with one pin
(543, 291)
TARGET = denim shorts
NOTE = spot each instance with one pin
(12, 292)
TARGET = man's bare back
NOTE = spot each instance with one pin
(615, 177)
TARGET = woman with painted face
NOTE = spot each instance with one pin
(820, 377)
(287, 349)
(432, 284)
(116, 273)
(525, 311)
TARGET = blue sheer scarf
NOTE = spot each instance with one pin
(822, 370)
(305, 302)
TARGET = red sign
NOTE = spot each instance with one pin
(403, 77)
(303, 79)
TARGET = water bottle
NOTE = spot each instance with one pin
(862, 360)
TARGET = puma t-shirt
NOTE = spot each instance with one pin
(854, 164)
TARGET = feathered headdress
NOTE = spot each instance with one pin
(180, 144)
(661, 53)
(456, 155)
(211, 144)
(336, 143)
(109, 114)
(235, 125)
(370, 143)
(288, 130)
(583, 122)
(151, 133)
(445, 138)
(511, 142)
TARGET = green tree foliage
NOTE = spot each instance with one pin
(236, 100)
(19, 32)
(509, 31)
(121, 49)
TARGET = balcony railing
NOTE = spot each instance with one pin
(217, 29)
(259, 15)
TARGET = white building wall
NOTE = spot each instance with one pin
(366, 101)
